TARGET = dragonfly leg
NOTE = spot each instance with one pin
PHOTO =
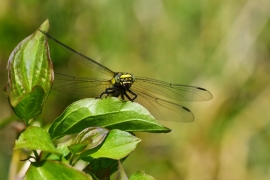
(122, 96)
(108, 91)
(129, 98)
(102, 94)
(134, 94)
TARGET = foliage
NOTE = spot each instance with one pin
(30, 75)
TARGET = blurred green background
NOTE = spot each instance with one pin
(223, 46)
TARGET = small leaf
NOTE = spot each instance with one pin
(30, 75)
(117, 145)
(61, 148)
(102, 168)
(36, 138)
(89, 138)
(140, 175)
(54, 170)
(111, 113)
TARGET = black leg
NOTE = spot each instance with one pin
(122, 96)
(135, 95)
(102, 94)
(125, 93)
(108, 91)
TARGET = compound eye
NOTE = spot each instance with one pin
(117, 78)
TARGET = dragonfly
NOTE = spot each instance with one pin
(159, 97)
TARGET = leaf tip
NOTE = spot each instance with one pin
(45, 26)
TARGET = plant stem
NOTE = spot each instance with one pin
(36, 155)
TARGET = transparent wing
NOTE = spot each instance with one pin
(82, 58)
(80, 86)
(176, 92)
(162, 109)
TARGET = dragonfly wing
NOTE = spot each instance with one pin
(162, 109)
(176, 92)
(80, 86)
(80, 57)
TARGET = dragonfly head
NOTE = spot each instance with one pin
(123, 79)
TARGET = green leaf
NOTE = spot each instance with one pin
(54, 170)
(36, 138)
(61, 148)
(30, 75)
(140, 175)
(111, 113)
(89, 138)
(102, 168)
(117, 145)
(30, 105)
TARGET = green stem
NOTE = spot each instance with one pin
(71, 159)
(72, 162)
(36, 155)
(75, 161)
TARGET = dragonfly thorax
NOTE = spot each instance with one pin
(124, 80)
